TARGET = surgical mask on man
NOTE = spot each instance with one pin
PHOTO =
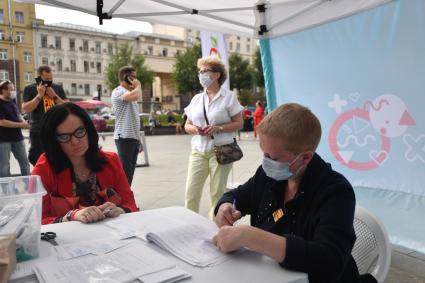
(205, 80)
(278, 171)
(12, 94)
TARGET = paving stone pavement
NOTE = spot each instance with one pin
(162, 184)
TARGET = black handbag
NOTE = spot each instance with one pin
(226, 153)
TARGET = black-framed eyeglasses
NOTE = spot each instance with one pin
(66, 137)
(205, 71)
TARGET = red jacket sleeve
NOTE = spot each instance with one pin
(121, 183)
(44, 170)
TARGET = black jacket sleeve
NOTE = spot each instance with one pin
(242, 194)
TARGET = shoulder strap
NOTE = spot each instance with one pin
(205, 114)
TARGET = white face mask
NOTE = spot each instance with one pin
(12, 94)
(205, 80)
(278, 171)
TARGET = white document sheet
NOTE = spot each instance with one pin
(124, 265)
(96, 247)
(191, 243)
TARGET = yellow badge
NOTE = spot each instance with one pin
(278, 214)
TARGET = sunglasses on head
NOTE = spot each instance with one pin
(66, 137)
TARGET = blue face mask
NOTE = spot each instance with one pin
(278, 171)
(205, 80)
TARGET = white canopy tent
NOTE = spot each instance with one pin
(243, 17)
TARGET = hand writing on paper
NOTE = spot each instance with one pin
(229, 239)
(110, 210)
(227, 215)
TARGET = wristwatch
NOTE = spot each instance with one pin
(220, 129)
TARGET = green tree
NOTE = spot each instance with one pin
(241, 73)
(125, 57)
(258, 69)
(185, 73)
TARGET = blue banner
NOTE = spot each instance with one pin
(364, 77)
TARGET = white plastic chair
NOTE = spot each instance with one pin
(371, 250)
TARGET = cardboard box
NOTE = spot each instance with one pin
(7, 256)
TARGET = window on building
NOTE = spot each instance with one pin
(150, 50)
(28, 77)
(73, 88)
(86, 89)
(98, 47)
(73, 66)
(72, 44)
(178, 52)
(27, 57)
(248, 39)
(58, 42)
(1, 16)
(110, 48)
(19, 17)
(164, 52)
(44, 61)
(92, 65)
(99, 67)
(248, 48)
(59, 64)
(3, 54)
(20, 36)
(86, 67)
(231, 46)
(4, 75)
(2, 35)
(238, 47)
(238, 38)
(43, 40)
(85, 46)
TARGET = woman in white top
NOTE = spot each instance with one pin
(223, 111)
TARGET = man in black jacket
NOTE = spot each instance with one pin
(301, 210)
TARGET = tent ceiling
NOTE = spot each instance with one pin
(228, 16)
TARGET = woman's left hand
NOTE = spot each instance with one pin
(211, 130)
(110, 210)
(229, 238)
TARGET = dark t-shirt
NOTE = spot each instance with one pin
(171, 119)
(9, 111)
(45, 104)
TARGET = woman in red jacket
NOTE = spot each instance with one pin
(258, 116)
(83, 183)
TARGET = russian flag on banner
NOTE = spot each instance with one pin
(213, 44)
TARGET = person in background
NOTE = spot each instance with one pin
(173, 122)
(301, 210)
(258, 116)
(223, 111)
(11, 138)
(38, 99)
(83, 183)
(127, 123)
(153, 121)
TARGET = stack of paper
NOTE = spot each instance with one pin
(124, 265)
(191, 243)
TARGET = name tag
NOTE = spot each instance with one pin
(278, 214)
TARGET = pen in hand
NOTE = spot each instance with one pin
(234, 206)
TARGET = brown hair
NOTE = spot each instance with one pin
(4, 85)
(125, 71)
(43, 68)
(295, 124)
(216, 65)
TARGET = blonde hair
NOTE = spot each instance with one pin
(295, 124)
(216, 65)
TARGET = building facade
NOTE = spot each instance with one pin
(16, 43)
(79, 56)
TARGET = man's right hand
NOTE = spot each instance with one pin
(226, 215)
(41, 90)
(25, 125)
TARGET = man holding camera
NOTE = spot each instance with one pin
(38, 98)
(127, 123)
